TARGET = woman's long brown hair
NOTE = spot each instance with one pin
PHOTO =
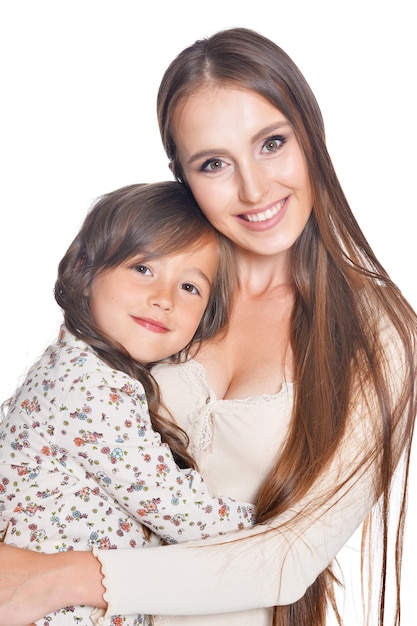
(152, 220)
(341, 293)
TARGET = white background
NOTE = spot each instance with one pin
(78, 83)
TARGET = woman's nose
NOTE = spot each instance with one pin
(253, 184)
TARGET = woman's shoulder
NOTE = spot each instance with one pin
(188, 373)
(389, 329)
(388, 317)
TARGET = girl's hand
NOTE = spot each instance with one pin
(33, 584)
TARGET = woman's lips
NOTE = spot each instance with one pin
(263, 216)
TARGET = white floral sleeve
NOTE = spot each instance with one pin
(78, 417)
(111, 435)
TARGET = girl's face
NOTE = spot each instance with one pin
(153, 307)
(245, 167)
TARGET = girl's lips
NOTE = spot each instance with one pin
(152, 325)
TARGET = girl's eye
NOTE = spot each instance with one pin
(273, 144)
(212, 165)
(190, 288)
(142, 269)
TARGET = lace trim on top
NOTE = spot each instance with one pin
(201, 424)
(200, 372)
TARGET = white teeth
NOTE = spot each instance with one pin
(266, 215)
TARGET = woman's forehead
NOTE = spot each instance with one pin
(214, 114)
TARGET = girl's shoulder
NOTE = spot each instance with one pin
(71, 361)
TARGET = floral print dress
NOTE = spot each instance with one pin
(81, 467)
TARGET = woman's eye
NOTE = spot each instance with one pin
(272, 144)
(212, 165)
(190, 288)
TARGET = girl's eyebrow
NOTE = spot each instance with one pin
(259, 135)
(201, 274)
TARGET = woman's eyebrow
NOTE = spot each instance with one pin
(267, 130)
(205, 153)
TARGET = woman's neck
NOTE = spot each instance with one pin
(261, 276)
(254, 356)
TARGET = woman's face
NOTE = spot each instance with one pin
(245, 167)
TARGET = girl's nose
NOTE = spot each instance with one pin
(162, 298)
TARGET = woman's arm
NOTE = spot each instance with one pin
(254, 568)
(32, 584)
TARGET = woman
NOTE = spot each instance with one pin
(308, 403)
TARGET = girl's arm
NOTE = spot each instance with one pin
(120, 451)
(102, 435)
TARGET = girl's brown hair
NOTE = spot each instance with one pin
(151, 220)
(342, 293)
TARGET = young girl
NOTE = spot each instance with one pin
(84, 453)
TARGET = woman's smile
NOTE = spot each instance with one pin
(266, 216)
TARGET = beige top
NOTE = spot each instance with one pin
(235, 442)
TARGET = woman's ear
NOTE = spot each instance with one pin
(172, 168)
